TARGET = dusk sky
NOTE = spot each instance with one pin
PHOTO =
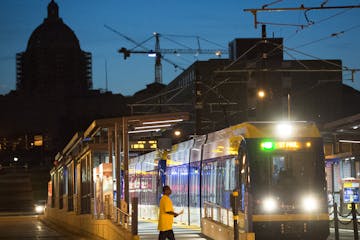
(332, 34)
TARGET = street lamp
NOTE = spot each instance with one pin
(177, 133)
(261, 94)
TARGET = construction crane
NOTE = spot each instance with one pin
(158, 52)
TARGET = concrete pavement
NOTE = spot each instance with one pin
(148, 231)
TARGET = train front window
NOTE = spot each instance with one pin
(284, 174)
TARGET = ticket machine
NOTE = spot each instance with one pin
(350, 193)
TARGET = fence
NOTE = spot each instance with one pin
(347, 219)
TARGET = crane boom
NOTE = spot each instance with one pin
(217, 52)
(158, 52)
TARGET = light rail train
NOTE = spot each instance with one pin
(276, 167)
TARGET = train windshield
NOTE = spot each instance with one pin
(284, 174)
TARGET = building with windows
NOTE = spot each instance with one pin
(220, 93)
(223, 92)
(342, 151)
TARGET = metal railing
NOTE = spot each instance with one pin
(121, 217)
(351, 217)
(126, 220)
(217, 213)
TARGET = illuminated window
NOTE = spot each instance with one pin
(38, 140)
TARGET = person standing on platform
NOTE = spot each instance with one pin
(166, 215)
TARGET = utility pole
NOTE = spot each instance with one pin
(117, 174)
(288, 105)
(125, 144)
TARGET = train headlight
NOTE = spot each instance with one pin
(269, 204)
(310, 203)
(284, 130)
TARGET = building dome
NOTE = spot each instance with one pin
(53, 63)
(53, 32)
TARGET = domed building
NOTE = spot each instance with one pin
(53, 62)
(53, 97)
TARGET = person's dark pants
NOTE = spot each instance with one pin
(169, 234)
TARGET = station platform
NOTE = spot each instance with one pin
(147, 230)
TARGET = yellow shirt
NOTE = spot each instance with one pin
(165, 219)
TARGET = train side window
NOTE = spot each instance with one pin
(242, 166)
(230, 174)
(243, 170)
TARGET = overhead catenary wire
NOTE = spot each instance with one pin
(242, 55)
(295, 59)
(255, 11)
(343, 68)
(272, 3)
(324, 3)
(306, 26)
(332, 35)
(332, 16)
(316, 58)
(287, 50)
(309, 23)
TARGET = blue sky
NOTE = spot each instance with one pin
(213, 20)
